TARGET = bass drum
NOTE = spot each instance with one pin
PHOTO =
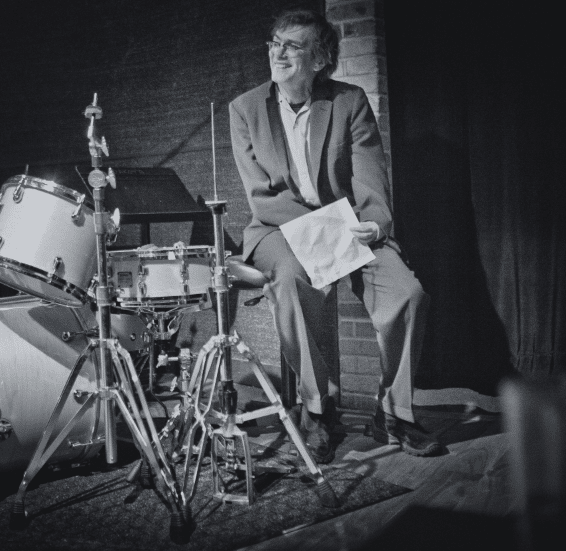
(39, 345)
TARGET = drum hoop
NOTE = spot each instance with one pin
(53, 280)
(163, 253)
(50, 187)
(178, 300)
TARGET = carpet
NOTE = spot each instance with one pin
(91, 509)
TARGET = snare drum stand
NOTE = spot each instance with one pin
(115, 385)
(216, 356)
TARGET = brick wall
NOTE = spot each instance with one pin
(362, 62)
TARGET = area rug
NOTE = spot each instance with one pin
(101, 511)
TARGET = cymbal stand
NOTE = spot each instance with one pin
(116, 385)
(214, 365)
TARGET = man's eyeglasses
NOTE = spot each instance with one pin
(292, 49)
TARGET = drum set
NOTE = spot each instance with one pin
(84, 312)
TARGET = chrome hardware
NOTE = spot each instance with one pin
(72, 444)
(185, 277)
(79, 208)
(1, 241)
(57, 261)
(142, 288)
(5, 429)
(78, 394)
(91, 292)
(66, 336)
(19, 192)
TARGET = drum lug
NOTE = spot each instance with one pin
(142, 287)
(5, 429)
(185, 277)
(79, 208)
(1, 241)
(91, 292)
(19, 192)
(57, 261)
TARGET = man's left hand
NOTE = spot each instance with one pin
(366, 232)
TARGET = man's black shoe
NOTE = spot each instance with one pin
(316, 429)
(412, 438)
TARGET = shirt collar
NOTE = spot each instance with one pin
(283, 102)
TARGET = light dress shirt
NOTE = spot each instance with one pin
(297, 131)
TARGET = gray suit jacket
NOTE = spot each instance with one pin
(347, 157)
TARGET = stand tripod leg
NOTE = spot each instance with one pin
(324, 489)
(147, 438)
(200, 376)
(42, 453)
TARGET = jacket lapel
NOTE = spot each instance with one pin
(277, 135)
(321, 109)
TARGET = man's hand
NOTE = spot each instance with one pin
(366, 232)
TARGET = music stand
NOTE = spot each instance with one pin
(149, 195)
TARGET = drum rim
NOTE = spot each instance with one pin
(53, 280)
(178, 300)
(48, 186)
(162, 253)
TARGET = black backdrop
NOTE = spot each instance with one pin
(476, 127)
(476, 91)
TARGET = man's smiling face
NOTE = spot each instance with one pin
(294, 68)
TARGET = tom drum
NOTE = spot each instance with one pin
(47, 240)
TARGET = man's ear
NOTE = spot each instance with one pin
(319, 65)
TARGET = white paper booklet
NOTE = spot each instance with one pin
(324, 245)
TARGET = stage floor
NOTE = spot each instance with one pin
(471, 477)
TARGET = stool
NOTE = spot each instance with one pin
(245, 277)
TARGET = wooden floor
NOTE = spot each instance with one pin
(471, 477)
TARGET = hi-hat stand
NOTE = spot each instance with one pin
(214, 367)
(117, 380)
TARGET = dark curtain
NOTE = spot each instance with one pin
(478, 177)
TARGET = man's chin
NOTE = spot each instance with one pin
(279, 76)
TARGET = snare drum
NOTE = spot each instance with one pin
(158, 278)
(47, 240)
